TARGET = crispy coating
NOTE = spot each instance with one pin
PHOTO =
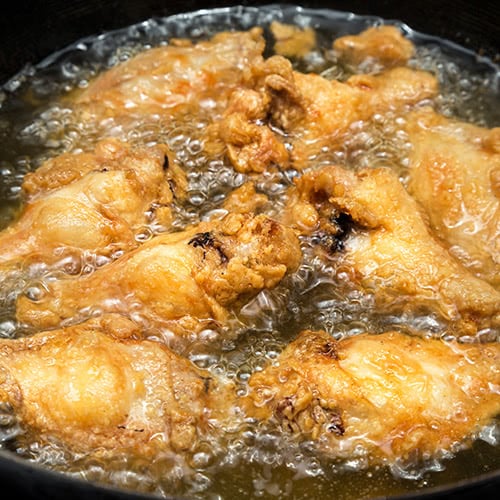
(245, 199)
(393, 89)
(385, 398)
(382, 45)
(93, 201)
(393, 253)
(179, 277)
(331, 107)
(455, 176)
(292, 41)
(165, 79)
(251, 145)
(104, 394)
(314, 113)
(245, 128)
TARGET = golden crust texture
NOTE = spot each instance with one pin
(393, 253)
(109, 394)
(387, 397)
(185, 276)
(93, 202)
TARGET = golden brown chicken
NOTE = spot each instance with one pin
(382, 398)
(391, 251)
(245, 128)
(228, 79)
(179, 277)
(314, 113)
(251, 145)
(99, 391)
(383, 46)
(292, 41)
(455, 176)
(177, 77)
(245, 199)
(331, 107)
(93, 201)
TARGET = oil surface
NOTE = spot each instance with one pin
(36, 124)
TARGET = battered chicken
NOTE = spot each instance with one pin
(251, 144)
(245, 96)
(100, 393)
(93, 201)
(391, 252)
(382, 398)
(292, 41)
(245, 199)
(331, 107)
(179, 277)
(455, 176)
(376, 47)
(314, 113)
(173, 78)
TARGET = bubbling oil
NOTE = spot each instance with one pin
(257, 461)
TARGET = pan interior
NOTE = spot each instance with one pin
(256, 462)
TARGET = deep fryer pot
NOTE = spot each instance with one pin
(30, 30)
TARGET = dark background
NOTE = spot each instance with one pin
(32, 29)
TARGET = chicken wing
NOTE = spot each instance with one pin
(383, 398)
(383, 46)
(177, 76)
(391, 252)
(455, 176)
(292, 41)
(312, 112)
(101, 393)
(93, 201)
(331, 107)
(179, 277)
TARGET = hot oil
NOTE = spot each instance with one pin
(37, 122)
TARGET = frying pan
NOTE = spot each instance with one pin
(32, 29)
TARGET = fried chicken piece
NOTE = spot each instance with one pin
(104, 394)
(314, 113)
(292, 41)
(391, 251)
(245, 128)
(178, 278)
(245, 199)
(162, 79)
(394, 89)
(244, 132)
(331, 107)
(384, 398)
(251, 145)
(93, 201)
(384, 46)
(455, 175)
